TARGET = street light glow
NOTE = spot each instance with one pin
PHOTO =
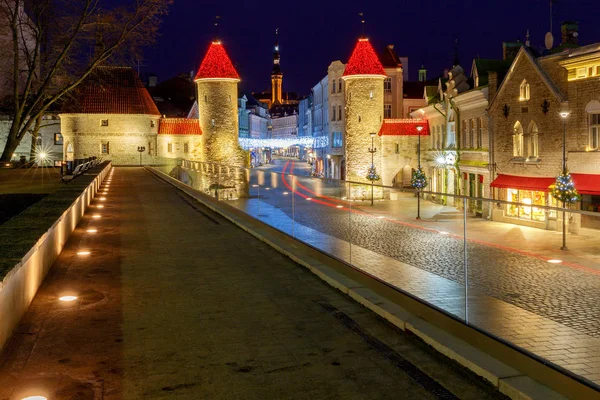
(564, 114)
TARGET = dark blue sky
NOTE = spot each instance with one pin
(313, 33)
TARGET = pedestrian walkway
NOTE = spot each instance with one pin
(175, 302)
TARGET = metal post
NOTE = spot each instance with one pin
(564, 214)
(350, 221)
(465, 260)
(293, 201)
(419, 129)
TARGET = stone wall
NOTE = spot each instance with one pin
(394, 163)
(364, 115)
(217, 103)
(123, 135)
(178, 146)
(50, 126)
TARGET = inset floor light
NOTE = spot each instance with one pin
(67, 298)
(339, 206)
(102, 198)
(84, 253)
(35, 398)
(554, 261)
(444, 233)
(286, 193)
(380, 217)
(92, 230)
(96, 216)
(308, 199)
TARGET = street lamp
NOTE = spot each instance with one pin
(419, 129)
(372, 175)
(564, 115)
(141, 149)
(328, 170)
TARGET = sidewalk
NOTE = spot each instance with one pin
(175, 302)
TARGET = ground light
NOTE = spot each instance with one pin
(100, 206)
(444, 233)
(339, 206)
(67, 298)
(35, 398)
(380, 217)
(102, 198)
(308, 198)
(96, 216)
(92, 230)
(286, 193)
(554, 261)
(84, 253)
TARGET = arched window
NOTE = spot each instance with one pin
(463, 133)
(472, 134)
(593, 110)
(333, 87)
(518, 140)
(479, 133)
(524, 91)
(532, 141)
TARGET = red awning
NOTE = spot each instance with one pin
(523, 182)
(587, 183)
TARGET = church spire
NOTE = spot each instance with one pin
(276, 75)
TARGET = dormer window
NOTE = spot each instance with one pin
(525, 94)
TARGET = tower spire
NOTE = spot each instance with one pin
(362, 24)
(217, 36)
(276, 75)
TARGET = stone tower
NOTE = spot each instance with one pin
(363, 78)
(217, 83)
(276, 75)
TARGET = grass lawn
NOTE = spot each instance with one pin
(30, 180)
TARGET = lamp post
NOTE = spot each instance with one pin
(141, 149)
(372, 150)
(564, 115)
(328, 169)
(419, 129)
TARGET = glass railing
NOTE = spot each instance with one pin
(499, 266)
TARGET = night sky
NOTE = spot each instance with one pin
(314, 33)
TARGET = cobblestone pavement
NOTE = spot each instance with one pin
(560, 320)
(176, 302)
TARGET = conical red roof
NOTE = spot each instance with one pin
(364, 60)
(217, 64)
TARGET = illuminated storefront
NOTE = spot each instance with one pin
(531, 199)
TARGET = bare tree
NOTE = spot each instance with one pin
(51, 46)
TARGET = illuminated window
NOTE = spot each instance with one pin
(518, 140)
(58, 138)
(524, 91)
(479, 143)
(594, 131)
(339, 113)
(387, 111)
(532, 141)
(582, 73)
(387, 85)
(340, 86)
(169, 147)
(337, 140)
(185, 147)
(104, 122)
(105, 148)
(333, 87)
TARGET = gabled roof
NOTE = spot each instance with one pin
(389, 58)
(403, 127)
(524, 53)
(484, 66)
(179, 126)
(217, 64)
(110, 90)
(364, 60)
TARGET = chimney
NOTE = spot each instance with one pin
(570, 32)
(492, 85)
(510, 50)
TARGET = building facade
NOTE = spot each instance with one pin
(334, 158)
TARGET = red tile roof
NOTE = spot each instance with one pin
(179, 126)
(403, 127)
(217, 64)
(364, 60)
(110, 90)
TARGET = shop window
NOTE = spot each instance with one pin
(58, 138)
(387, 111)
(387, 85)
(528, 199)
(582, 73)
(518, 140)
(525, 93)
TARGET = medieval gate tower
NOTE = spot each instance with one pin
(217, 83)
(363, 78)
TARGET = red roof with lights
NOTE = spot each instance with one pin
(364, 60)
(110, 90)
(179, 126)
(403, 127)
(217, 64)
